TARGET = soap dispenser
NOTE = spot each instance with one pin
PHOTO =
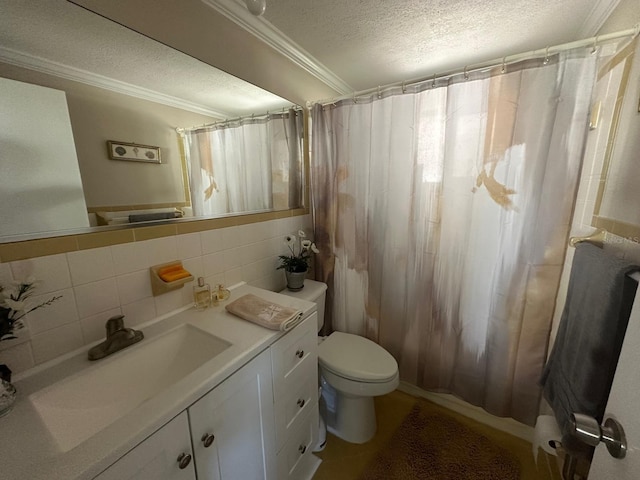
(201, 295)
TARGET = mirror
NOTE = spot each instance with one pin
(619, 95)
(125, 88)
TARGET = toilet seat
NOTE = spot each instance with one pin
(356, 358)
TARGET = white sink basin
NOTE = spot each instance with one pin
(80, 406)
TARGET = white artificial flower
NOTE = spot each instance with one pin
(301, 234)
(290, 240)
(314, 249)
(306, 244)
(14, 305)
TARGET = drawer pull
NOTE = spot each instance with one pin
(184, 460)
(299, 353)
(302, 449)
(300, 402)
(208, 439)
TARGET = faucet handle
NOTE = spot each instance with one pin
(114, 324)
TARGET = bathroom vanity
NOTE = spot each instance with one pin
(205, 395)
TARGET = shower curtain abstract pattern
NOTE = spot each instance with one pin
(446, 212)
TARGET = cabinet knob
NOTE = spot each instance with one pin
(184, 460)
(302, 449)
(208, 439)
(299, 353)
(300, 402)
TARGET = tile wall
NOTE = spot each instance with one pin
(98, 283)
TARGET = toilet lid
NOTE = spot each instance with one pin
(356, 358)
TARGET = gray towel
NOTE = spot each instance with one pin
(580, 369)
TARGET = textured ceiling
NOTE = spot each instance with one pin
(365, 43)
(375, 42)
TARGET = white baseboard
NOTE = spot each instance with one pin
(446, 400)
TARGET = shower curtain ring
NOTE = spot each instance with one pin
(504, 65)
(595, 45)
(379, 92)
(404, 88)
(433, 82)
(466, 74)
(546, 57)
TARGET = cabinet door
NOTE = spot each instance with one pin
(239, 415)
(157, 457)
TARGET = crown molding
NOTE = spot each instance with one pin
(32, 62)
(596, 18)
(236, 11)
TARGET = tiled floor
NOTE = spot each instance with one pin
(346, 461)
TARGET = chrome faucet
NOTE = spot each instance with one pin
(118, 337)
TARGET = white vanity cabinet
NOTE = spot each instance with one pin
(165, 455)
(232, 427)
(295, 385)
(261, 423)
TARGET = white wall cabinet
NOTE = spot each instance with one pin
(261, 423)
(232, 427)
(165, 455)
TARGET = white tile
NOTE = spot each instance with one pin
(213, 264)
(161, 250)
(96, 297)
(212, 240)
(230, 238)
(139, 312)
(173, 300)
(231, 258)
(255, 251)
(56, 342)
(257, 270)
(19, 358)
(129, 257)
(51, 272)
(231, 277)
(134, 286)
(61, 312)
(94, 327)
(90, 265)
(5, 274)
(194, 266)
(249, 233)
(189, 245)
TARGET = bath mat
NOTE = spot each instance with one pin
(434, 446)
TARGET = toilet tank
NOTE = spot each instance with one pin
(312, 292)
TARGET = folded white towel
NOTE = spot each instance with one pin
(265, 313)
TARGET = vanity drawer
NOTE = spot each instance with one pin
(296, 458)
(295, 352)
(294, 406)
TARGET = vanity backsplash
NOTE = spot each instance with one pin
(99, 283)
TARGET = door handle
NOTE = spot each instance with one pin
(587, 430)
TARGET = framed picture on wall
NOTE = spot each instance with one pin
(133, 152)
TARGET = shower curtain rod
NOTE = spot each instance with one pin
(593, 41)
(261, 116)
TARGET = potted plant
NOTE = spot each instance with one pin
(296, 264)
(13, 307)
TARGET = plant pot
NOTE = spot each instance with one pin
(295, 280)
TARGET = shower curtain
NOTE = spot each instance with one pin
(442, 216)
(247, 165)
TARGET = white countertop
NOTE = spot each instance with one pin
(27, 449)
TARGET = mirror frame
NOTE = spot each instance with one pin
(611, 225)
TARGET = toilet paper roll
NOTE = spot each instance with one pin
(546, 435)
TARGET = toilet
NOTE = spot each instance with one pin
(353, 370)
